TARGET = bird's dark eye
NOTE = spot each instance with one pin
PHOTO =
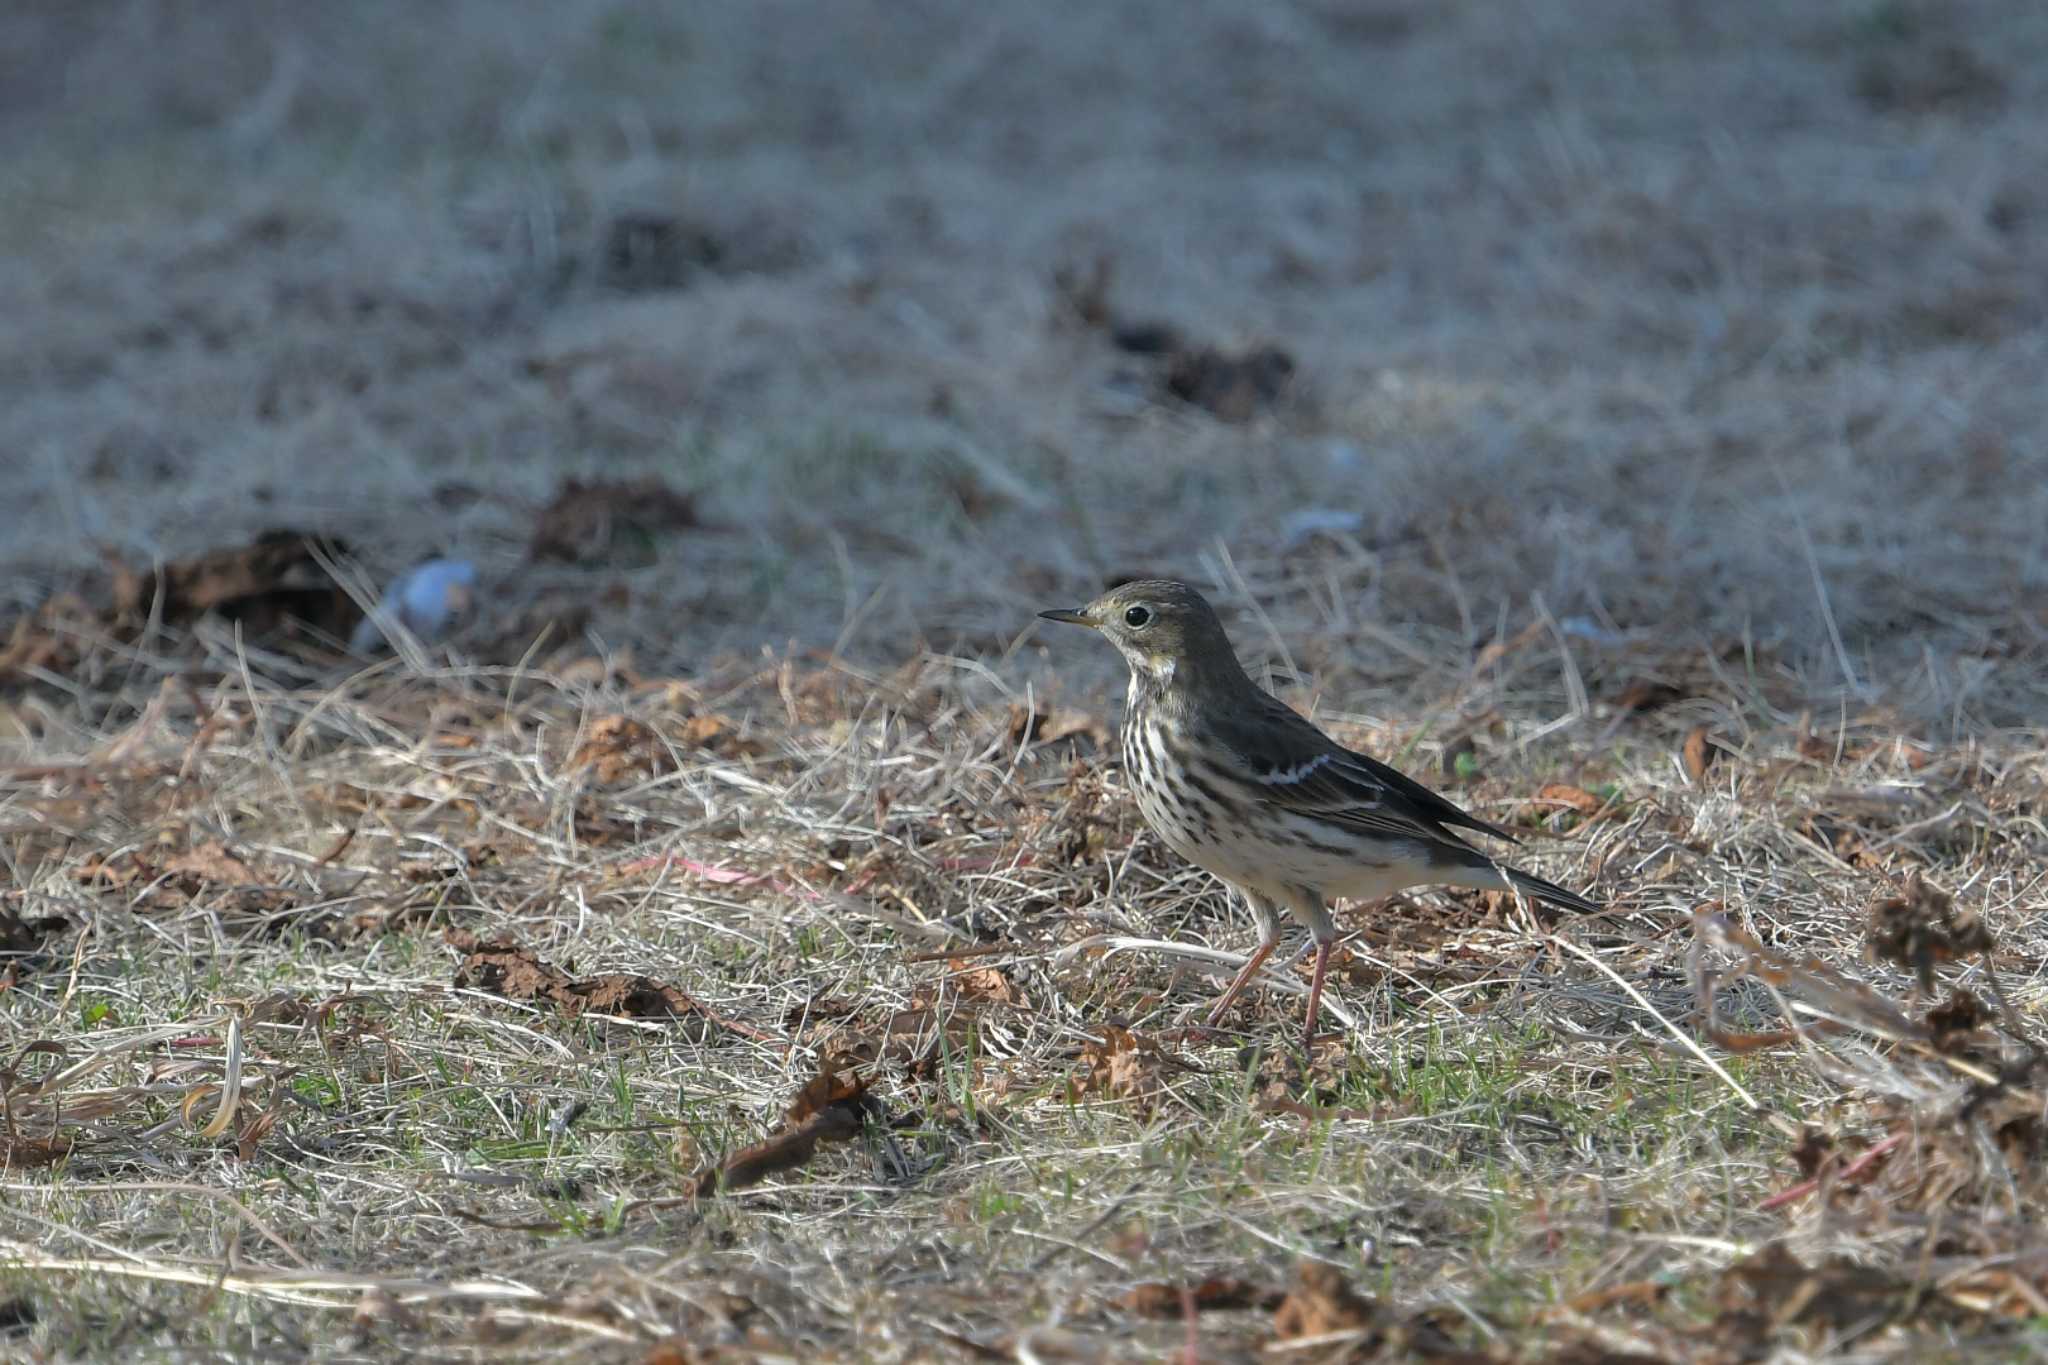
(1138, 617)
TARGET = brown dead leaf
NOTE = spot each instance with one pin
(620, 749)
(378, 1305)
(1562, 796)
(831, 1107)
(1498, 650)
(1773, 1289)
(21, 1152)
(1322, 1303)
(1122, 1065)
(208, 870)
(19, 934)
(1647, 694)
(1956, 1021)
(1920, 927)
(1211, 1295)
(603, 520)
(708, 730)
(987, 984)
(263, 586)
(504, 968)
(1059, 723)
(1638, 1293)
(50, 639)
(1699, 753)
(820, 1009)
(1232, 387)
(1814, 1150)
(822, 1091)
(210, 862)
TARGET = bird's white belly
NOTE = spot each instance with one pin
(1282, 852)
(1271, 851)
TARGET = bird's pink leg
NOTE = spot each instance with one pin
(1244, 978)
(1315, 990)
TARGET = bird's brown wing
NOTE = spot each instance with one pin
(1285, 761)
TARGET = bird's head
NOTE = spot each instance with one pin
(1164, 629)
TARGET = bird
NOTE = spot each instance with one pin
(1241, 785)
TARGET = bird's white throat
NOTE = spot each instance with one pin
(1150, 675)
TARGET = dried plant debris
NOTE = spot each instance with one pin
(1931, 78)
(21, 935)
(273, 581)
(1050, 726)
(1213, 1295)
(621, 749)
(831, 1107)
(1699, 753)
(647, 251)
(1831, 999)
(1127, 1066)
(504, 968)
(275, 589)
(1322, 1304)
(1323, 1318)
(28, 1151)
(1772, 1290)
(610, 522)
(1232, 386)
(156, 881)
(1920, 927)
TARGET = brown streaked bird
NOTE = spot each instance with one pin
(1237, 783)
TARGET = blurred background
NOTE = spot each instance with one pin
(863, 326)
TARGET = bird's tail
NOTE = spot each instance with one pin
(1538, 889)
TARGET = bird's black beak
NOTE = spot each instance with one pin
(1071, 617)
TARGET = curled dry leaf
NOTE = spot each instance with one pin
(620, 749)
(1698, 753)
(605, 520)
(1555, 798)
(22, 935)
(211, 862)
(174, 882)
(1322, 1303)
(987, 984)
(1232, 387)
(1921, 927)
(1647, 694)
(823, 1091)
(1307, 1088)
(1211, 1295)
(505, 968)
(717, 734)
(50, 639)
(378, 1305)
(22, 1151)
(275, 579)
(1050, 726)
(1773, 1289)
(829, 1108)
(1121, 1065)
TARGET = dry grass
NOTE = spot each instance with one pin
(1662, 372)
(269, 1082)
